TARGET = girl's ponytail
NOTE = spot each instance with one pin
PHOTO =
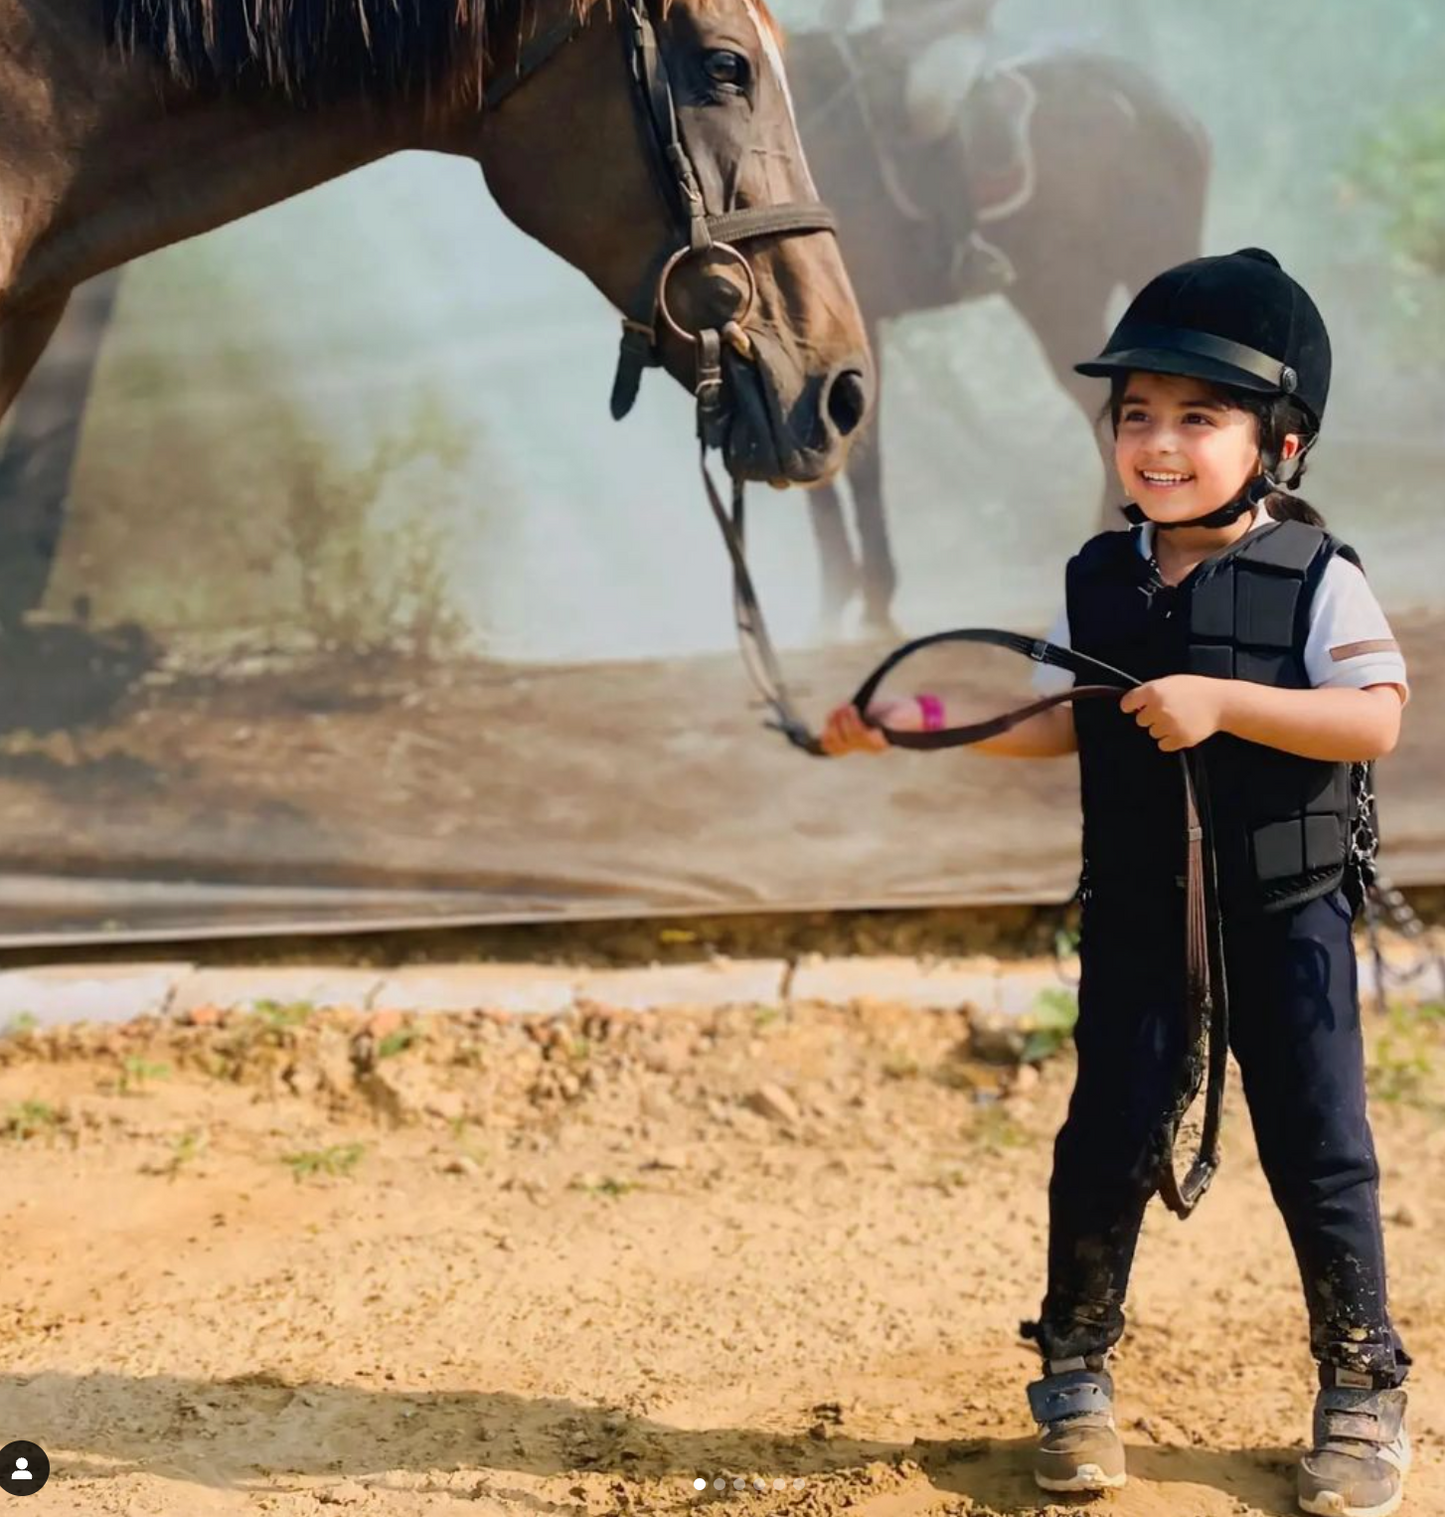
(1285, 507)
(1277, 417)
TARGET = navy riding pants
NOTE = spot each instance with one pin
(1295, 1032)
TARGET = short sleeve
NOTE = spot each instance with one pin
(1049, 679)
(1350, 643)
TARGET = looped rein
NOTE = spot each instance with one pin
(1206, 991)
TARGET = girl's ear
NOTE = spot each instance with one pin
(1289, 447)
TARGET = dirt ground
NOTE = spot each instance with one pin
(485, 790)
(300, 1261)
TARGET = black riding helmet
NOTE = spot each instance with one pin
(1238, 321)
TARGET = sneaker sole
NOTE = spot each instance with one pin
(1332, 1504)
(1088, 1477)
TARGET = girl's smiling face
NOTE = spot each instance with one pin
(1181, 448)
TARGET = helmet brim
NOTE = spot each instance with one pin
(1182, 365)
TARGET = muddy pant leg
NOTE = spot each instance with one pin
(1128, 1045)
(1296, 1035)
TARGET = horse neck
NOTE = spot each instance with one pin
(145, 175)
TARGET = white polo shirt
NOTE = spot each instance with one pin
(1350, 643)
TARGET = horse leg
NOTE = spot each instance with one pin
(875, 550)
(24, 334)
(1071, 323)
(837, 569)
(38, 459)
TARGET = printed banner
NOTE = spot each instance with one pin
(332, 595)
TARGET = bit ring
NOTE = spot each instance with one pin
(683, 254)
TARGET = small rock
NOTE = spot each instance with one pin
(333, 1060)
(1025, 1080)
(203, 1016)
(772, 1101)
(656, 1106)
(997, 1039)
(1404, 1215)
(668, 1059)
(668, 1158)
(461, 1165)
(821, 1432)
(345, 1494)
(380, 1023)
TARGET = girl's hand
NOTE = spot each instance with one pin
(847, 732)
(1178, 711)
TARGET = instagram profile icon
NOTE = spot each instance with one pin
(24, 1467)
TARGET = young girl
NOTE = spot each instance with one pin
(1257, 636)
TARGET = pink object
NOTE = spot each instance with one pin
(932, 709)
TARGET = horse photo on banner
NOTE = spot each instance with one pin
(330, 592)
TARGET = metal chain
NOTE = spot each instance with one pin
(1382, 900)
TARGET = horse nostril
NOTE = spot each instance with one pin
(847, 401)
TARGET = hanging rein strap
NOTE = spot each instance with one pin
(1206, 1003)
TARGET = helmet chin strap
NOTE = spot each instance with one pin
(1263, 485)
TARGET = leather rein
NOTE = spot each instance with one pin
(1206, 998)
(699, 232)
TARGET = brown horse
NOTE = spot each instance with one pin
(127, 125)
(1121, 178)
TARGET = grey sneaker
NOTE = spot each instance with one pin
(1360, 1455)
(1078, 1447)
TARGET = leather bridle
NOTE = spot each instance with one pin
(698, 229)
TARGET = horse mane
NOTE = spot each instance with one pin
(311, 51)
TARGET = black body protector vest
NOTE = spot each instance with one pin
(1282, 825)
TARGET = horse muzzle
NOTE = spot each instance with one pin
(785, 427)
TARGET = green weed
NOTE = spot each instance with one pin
(1053, 1017)
(396, 1042)
(280, 1014)
(995, 1129)
(338, 1161)
(185, 1150)
(1401, 1062)
(606, 1186)
(136, 1073)
(30, 1119)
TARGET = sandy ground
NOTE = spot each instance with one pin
(296, 1261)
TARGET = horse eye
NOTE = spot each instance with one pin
(726, 68)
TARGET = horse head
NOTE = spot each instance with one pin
(657, 153)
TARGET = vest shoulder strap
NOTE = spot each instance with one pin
(1107, 552)
(1291, 546)
(1346, 552)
